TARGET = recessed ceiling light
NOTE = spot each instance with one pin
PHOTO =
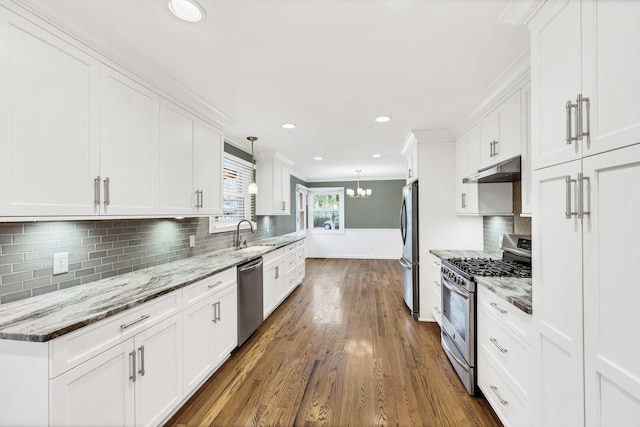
(383, 119)
(187, 10)
(317, 158)
(376, 156)
(288, 125)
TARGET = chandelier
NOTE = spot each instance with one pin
(359, 193)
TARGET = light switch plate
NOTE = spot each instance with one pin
(192, 241)
(60, 263)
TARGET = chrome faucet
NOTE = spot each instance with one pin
(238, 231)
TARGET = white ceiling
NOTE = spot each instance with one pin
(329, 66)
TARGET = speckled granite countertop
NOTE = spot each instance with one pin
(46, 317)
(515, 291)
(450, 253)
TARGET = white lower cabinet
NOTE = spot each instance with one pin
(434, 282)
(138, 382)
(301, 257)
(210, 326)
(504, 358)
(283, 270)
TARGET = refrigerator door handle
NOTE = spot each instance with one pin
(404, 263)
(403, 221)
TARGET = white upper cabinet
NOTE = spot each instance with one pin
(274, 184)
(525, 163)
(555, 81)
(128, 145)
(207, 168)
(500, 132)
(467, 162)
(585, 83)
(48, 123)
(610, 70)
(176, 160)
(190, 163)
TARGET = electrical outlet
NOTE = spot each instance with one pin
(60, 263)
(192, 241)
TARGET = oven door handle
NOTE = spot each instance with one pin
(454, 289)
(452, 354)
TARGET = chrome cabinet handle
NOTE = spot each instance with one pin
(579, 118)
(213, 285)
(497, 307)
(495, 390)
(126, 325)
(568, 213)
(410, 173)
(202, 198)
(215, 314)
(581, 180)
(435, 282)
(96, 190)
(132, 358)
(491, 149)
(107, 192)
(277, 271)
(218, 312)
(437, 309)
(141, 371)
(495, 148)
(197, 198)
(495, 342)
(284, 204)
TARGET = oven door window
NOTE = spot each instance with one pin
(455, 308)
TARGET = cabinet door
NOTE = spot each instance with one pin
(177, 195)
(98, 392)
(488, 135)
(128, 145)
(525, 164)
(467, 163)
(286, 190)
(48, 123)
(226, 324)
(199, 343)
(159, 386)
(611, 291)
(208, 152)
(610, 70)
(557, 298)
(555, 79)
(270, 276)
(509, 129)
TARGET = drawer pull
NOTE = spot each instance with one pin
(132, 365)
(126, 325)
(213, 285)
(436, 263)
(435, 282)
(495, 342)
(497, 307)
(141, 371)
(437, 309)
(495, 390)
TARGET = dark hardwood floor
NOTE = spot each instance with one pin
(342, 350)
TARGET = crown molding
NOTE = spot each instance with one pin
(520, 12)
(514, 77)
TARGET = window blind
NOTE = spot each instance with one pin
(237, 175)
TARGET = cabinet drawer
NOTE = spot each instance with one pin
(272, 256)
(205, 287)
(76, 347)
(504, 312)
(510, 406)
(436, 309)
(509, 352)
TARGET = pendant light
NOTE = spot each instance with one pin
(253, 187)
(359, 193)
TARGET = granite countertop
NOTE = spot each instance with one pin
(514, 290)
(450, 253)
(48, 316)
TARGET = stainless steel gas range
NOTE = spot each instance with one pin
(459, 300)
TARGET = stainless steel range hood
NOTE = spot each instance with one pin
(507, 171)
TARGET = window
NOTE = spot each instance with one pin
(237, 203)
(326, 210)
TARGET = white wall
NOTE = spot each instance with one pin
(362, 243)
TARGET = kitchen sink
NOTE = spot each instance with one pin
(257, 248)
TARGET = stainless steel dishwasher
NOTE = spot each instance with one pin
(250, 310)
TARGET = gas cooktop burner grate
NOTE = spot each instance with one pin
(491, 267)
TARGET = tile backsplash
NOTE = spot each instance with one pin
(101, 249)
(495, 226)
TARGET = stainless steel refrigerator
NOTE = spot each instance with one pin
(410, 255)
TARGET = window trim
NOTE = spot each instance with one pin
(216, 226)
(320, 191)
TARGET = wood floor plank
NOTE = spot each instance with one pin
(342, 350)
